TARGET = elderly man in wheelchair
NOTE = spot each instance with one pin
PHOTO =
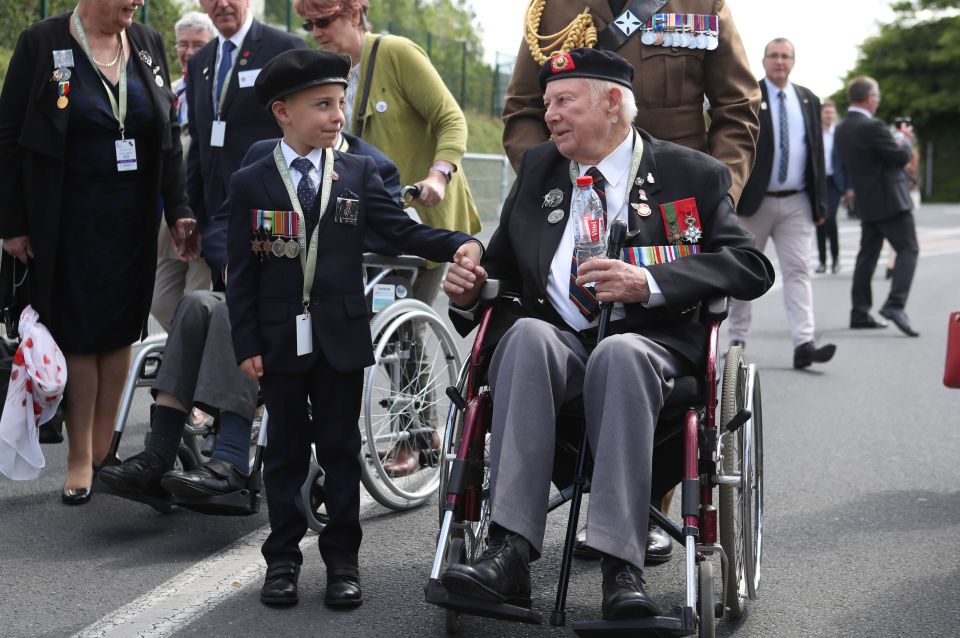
(685, 245)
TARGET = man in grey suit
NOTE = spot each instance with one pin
(876, 160)
(675, 200)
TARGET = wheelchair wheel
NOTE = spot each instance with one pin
(741, 504)
(706, 607)
(405, 401)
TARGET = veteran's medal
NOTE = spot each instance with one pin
(555, 216)
(278, 247)
(158, 80)
(552, 199)
(693, 233)
(292, 249)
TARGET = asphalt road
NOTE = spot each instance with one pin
(862, 511)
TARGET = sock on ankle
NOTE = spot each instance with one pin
(233, 441)
(166, 428)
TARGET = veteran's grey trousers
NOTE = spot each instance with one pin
(199, 365)
(535, 369)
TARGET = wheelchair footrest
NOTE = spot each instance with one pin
(436, 594)
(243, 502)
(655, 626)
(162, 505)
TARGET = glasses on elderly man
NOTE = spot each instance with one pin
(319, 23)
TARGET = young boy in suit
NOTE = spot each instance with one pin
(298, 313)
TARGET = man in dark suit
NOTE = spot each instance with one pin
(298, 313)
(875, 161)
(827, 232)
(675, 199)
(224, 115)
(785, 197)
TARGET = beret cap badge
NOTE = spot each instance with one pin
(562, 62)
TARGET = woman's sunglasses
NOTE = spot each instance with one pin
(319, 23)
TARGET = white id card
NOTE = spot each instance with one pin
(218, 133)
(304, 335)
(126, 155)
(247, 78)
(383, 296)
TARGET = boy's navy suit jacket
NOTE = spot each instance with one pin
(265, 295)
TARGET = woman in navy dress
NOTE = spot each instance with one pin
(82, 213)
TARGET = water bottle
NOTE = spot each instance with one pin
(589, 228)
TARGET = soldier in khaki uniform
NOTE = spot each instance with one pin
(670, 84)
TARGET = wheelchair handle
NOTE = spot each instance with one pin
(410, 192)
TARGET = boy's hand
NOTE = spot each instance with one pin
(465, 276)
(252, 368)
(19, 247)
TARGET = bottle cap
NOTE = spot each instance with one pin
(584, 181)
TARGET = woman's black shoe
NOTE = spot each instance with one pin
(75, 495)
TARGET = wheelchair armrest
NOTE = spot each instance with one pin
(716, 309)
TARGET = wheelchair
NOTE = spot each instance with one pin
(721, 456)
(193, 446)
(404, 398)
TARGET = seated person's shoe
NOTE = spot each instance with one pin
(501, 574)
(580, 547)
(623, 593)
(138, 475)
(343, 588)
(280, 585)
(808, 353)
(659, 546)
(403, 462)
(899, 317)
(866, 321)
(213, 478)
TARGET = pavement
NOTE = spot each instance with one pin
(862, 526)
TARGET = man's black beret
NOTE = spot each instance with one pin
(586, 63)
(299, 69)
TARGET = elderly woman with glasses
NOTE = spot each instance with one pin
(410, 115)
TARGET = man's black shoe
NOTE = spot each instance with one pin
(343, 588)
(807, 353)
(822, 268)
(899, 317)
(659, 546)
(213, 478)
(280, 585)
(866, 321)
(139, 475)
(623, 593)
(501, 574)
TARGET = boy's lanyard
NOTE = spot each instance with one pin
(119, 110)
(308, 258)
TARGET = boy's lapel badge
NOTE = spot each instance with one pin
(348, 208)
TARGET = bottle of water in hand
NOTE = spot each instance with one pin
(589, 228)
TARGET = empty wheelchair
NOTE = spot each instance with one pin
(722, 537)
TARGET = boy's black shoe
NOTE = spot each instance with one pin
(623, 593)
(501, 574)
(280, 585)
(343, 588)
(138, 475)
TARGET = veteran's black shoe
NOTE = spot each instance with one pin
(501, 574)
(138, 475)
(807, 353)
(213, 478)
(866, 322)
(280, 585)
(659, 546)
(343, 588)
(623, 593)
(899, 318)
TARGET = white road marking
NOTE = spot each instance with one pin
(194, 592)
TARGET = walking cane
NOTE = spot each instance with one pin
(618, 235)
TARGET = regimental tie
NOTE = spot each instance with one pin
(226, 63)
(306, 189)
(784, 138)
(584, 298)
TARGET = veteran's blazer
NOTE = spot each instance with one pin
(33, 137)
(209, 168)
(265, 295)
(523, 246)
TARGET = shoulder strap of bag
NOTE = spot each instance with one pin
(622, 28)
(362, 117)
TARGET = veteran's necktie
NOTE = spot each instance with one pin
(306, 189)
(784, 138)
(584, 298)
(226, 63)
